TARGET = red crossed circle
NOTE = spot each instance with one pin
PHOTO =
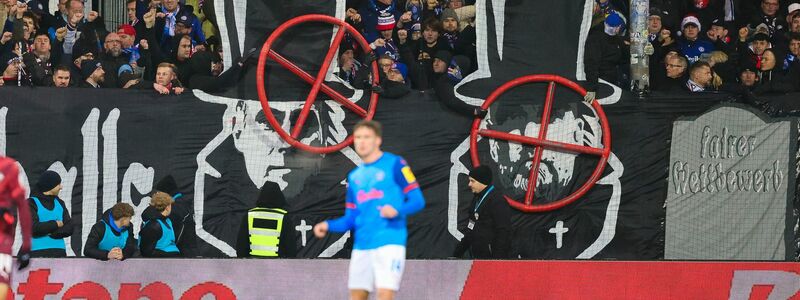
(317, 84)
(541, 143)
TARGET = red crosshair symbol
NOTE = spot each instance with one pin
(541, 143)
(317, 84)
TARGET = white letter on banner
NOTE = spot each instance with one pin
(141, 178)
(110, 170)
(91, 173)
(785, 284)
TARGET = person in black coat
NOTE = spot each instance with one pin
(182, 216)
(271, 197)
(49, 228)
(488, 233)
(606, 52)
(158, 235)
(112, 237)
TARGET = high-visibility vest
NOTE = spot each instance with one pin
(264, 226)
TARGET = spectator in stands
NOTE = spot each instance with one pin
(450, 30)
(266, 229)
(370, 10)
(385, 44)
(51, 219)
(719, 35)
(348, 64)
(11, 73)
(91, 28)
(700, 77)
(488, 234)
(610, 52)
(181, 56)
(433, 10)
(654, 24)
(748, 77)
(130, 8)
(773, 79)
(412, 15)
(724, 72)
(430, 43)
(768, 14)
(794, 26)
(793, 57)
(753, 53)
(111, 238)
(691, 44)
(93, 74)
(61, 77)
(184, 25)
(113, 58)
(157, 236)
(81, 53)
(127, 40)
(39, 62)
(675, 78)
(166, 21)
(166, 80)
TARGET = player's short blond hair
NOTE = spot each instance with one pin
(160, 201)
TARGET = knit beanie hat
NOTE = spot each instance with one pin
(385, 22)
(691, 20)
(449, 13)
(167, 185)
(88, 67)
(48, 181)
(482, 174)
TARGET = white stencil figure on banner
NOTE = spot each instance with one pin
(267, 157)
(503, 56)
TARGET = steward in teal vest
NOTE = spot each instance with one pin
(267, 230)
(107, 235)
(48, 212)
(157, 237)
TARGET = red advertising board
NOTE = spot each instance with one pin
(632, 280)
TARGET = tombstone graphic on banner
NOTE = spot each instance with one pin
(731, 186)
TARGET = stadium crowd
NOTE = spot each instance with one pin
(164, 47)
(170, 45)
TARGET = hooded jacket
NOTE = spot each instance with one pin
(270, 196)
(91, 249)
(491, 234)
(151, 233)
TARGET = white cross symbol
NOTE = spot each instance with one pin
(559, 231)
(303, 228)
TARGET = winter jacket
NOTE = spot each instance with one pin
(99, 230)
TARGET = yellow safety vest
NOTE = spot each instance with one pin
(264, 225)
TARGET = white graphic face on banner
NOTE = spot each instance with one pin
(263, 150)
(557, 168)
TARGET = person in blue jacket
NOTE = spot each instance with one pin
(111, 238)
(51, 219)
(157, 237)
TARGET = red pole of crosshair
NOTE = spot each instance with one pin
(541, 143)
(317, 83)
(323, 70)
